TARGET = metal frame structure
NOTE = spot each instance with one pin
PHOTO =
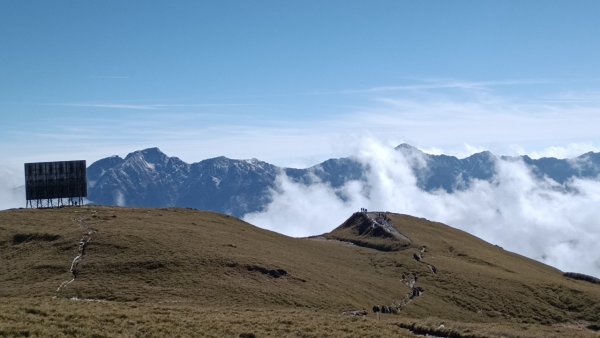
(55, 184)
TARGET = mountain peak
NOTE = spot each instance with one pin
(153, 155)
(406, 146)
(148, 177)
(483, 154)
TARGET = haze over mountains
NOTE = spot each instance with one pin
(150, 178)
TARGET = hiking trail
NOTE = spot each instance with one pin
(83, 243)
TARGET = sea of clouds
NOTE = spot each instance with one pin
(536, 218)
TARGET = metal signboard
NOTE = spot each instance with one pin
(48, 183)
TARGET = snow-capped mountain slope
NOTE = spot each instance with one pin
(149, 178)
(144, 178)
(449, 173)
(230, 186)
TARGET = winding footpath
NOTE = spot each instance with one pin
(410, 280)
(83, 243)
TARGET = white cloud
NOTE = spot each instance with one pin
(515, 211)
(120, 198)
(116, 106)
(133, 106)
(569, 151)
(12, 194)
(443, 84)
(447, 117)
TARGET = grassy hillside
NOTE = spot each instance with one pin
(156, 272)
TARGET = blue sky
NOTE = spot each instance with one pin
(295, 82)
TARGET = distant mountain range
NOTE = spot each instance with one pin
(149, 178)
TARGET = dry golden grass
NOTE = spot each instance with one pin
(176, 272)
(62, 317)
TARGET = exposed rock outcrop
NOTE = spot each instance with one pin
(370, 229)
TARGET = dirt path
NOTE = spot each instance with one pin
(83, 243)
(420, 255)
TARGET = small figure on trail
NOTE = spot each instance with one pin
(416, 291)
(376, 310)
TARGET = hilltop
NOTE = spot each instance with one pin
(157, 272)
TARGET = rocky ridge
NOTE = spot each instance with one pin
(149, 178)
